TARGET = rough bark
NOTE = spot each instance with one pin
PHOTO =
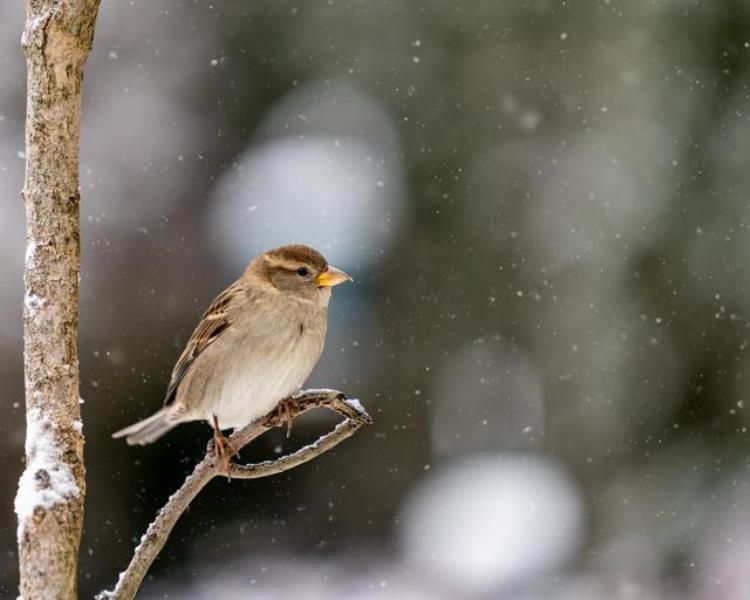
(158, 532)
(56, 41)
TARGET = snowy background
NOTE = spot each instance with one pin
(544, 205)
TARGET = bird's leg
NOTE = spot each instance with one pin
(285, 415)
(224, 448)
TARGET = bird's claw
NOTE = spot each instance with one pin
(225, 450)
(284, 415)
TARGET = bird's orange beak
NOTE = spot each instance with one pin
(331, 277)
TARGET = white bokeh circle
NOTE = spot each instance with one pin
(491, 520)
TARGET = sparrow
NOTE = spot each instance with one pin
(255, 345)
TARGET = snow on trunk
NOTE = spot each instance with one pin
(47, 480)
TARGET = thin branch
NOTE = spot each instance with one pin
(158, 532)
(342, 431)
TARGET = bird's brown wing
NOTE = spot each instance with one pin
(213, 323)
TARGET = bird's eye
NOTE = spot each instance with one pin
(302, 272)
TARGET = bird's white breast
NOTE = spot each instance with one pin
(259, 362)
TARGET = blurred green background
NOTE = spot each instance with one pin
(544, 205)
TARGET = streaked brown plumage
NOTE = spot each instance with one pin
(255, 345)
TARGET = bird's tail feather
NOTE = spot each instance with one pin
(149, 429)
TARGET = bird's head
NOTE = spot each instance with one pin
(298, 270)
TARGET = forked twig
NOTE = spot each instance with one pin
(158, 531)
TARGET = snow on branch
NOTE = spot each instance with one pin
(159, 530)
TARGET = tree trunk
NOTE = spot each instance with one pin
(49, 504)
